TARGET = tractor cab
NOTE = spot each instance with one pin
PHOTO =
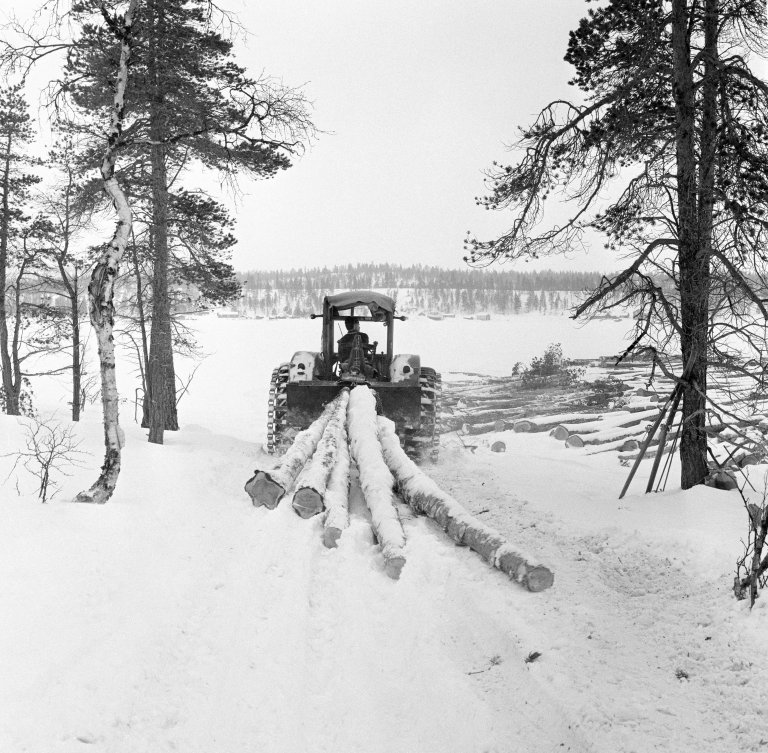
(406, 391)
(348, 353)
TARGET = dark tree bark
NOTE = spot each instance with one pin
(161, 377)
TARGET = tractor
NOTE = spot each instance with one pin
(407, 392)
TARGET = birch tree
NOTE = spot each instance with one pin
(191, 106)
(102, 285)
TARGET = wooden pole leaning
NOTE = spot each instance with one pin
(678, 393)
(647, 442)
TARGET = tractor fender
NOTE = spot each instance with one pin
(405, 367)
(304, 366)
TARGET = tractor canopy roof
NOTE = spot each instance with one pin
(376, 302)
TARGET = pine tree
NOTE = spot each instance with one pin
(16, 134)
(189, 104)
(671, 116)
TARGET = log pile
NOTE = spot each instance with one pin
(587, 417)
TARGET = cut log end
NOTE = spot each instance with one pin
(264, 491)
(393, 566)
(307, 503)
(560, 433)
(574, 441)
(522, 426)
(538, 579)
(331, 537)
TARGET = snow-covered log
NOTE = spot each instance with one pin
(544, 423)
(621, 445)
(313, 479)
(425, 496)
(268, 487)
(337, 494)
(376, 480)
(473, 429)
(603, 437)
(610, 421)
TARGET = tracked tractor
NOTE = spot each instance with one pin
(407, 392)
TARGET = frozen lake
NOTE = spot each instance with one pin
(227, 402)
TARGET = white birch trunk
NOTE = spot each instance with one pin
(101, 287)
(425, 496)
(268, 487)
(313, 479)
(376, 480)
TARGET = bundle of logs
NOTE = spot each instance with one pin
(315, 474)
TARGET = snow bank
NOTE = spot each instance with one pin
(375, 479)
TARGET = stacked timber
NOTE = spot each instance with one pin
(609, 429)
(547, 422)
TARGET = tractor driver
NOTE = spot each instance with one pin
(345, 341)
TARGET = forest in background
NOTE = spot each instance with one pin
(417, 288)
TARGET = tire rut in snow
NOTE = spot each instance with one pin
(642, 649)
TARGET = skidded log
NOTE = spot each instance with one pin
(376, 480)
(337, 494)
(268, 487)
(425, 496)
(308, 499)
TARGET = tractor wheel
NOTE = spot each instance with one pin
(425, 441)
(277, 408)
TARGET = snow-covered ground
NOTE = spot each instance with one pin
(180, 618)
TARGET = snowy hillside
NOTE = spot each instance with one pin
(178, 617)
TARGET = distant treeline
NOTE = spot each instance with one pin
(416, 288)
(363, 276)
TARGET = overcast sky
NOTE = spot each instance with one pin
(415, 98)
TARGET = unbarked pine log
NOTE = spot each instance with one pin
(313, 479)
(603, 437)
(426, 497)
(337, 494)
(268, 487)
(376, 481)
(621, 445)
(545, 423)
(613, 420)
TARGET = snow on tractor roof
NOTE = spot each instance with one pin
(361, 298)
